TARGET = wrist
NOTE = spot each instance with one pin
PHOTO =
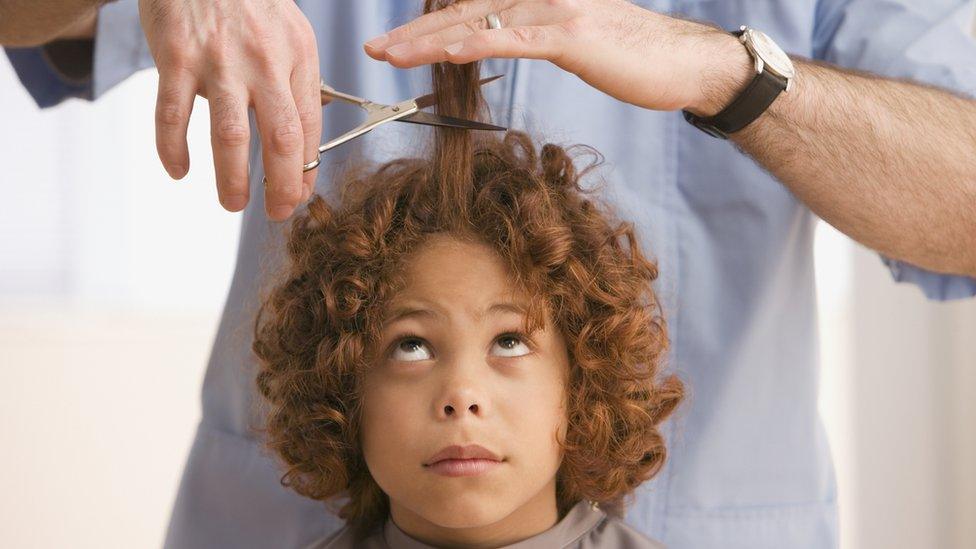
(727, 69)
(31, 24)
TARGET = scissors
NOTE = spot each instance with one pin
(404, 111)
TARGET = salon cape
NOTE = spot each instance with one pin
(749, 465)
(583, 527)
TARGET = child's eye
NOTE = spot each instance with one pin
(512, 345)
(411, 349)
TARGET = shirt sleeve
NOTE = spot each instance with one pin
(928, 41)
(50, 79)
(85, 69)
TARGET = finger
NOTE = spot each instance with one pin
(174, 103)
(308, 100)
(429, 48)
(454, 14)
(230, 137)
(283, 149)
(540, 42)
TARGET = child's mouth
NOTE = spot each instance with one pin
(463, 467)
(463, 461)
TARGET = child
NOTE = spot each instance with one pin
(467, 368)
(465, 351)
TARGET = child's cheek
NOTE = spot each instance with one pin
(388, 431)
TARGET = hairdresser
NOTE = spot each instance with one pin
(724, 151)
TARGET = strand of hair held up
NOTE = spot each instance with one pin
(458, 95)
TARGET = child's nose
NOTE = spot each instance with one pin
(460, 403)
(449, 409)
(462, 387)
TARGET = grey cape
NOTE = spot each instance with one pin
(583, 527)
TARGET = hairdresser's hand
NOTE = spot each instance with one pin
(259, 53)
(634, 54)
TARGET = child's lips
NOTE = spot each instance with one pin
(463, 461)
(456, 451)
(463, 467)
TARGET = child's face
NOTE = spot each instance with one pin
(453, 372)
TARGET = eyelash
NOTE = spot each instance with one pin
(510, 334)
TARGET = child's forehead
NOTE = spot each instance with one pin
(442, 263)
(447, 275)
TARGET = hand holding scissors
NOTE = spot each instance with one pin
(404, 111)
(261, 54)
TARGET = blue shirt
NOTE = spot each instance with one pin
(749, 464)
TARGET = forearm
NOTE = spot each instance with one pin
(35, 22)
(892, 164)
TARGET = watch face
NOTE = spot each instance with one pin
(771, 54)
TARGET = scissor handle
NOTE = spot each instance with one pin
(313, 164)
(306, 168)
(379, 114)
(328, 91)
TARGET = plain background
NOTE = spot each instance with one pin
(112, 278)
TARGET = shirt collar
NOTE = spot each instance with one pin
(578, 521)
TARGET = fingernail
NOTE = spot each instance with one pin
(398, 50)
(378, 41)
(235, 202)
(280, 213)
(454, 48)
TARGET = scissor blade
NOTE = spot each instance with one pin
(429, 119)
(430, 99)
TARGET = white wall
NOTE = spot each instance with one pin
(112, 277)
(90, 217)
(897, 386)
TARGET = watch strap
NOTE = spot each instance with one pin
(752, 102)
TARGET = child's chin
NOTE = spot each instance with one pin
(468, 512)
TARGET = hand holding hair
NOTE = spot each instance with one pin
(631, 53)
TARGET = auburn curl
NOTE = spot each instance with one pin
(315, 331)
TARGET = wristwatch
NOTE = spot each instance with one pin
(774, 75)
